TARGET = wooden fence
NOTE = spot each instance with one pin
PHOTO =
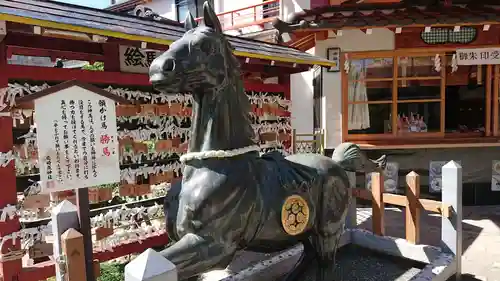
(411, 201)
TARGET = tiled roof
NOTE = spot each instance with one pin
(77, 18)
(125, 6)
(397, 15)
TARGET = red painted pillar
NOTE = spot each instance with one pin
(284, 80)
(8, 269)
(111, 53)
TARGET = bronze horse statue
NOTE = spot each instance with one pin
(231, 197)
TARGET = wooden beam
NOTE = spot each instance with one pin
(400, 200)
(496, 88)
(34, 73)
(53, 54)
(489, 79)
(41, 42)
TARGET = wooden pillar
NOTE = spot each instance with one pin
(378, 207)
(73, 250)
(496, 87)
(489, 78)
(412, 210)
(111, 53)
(9, 269)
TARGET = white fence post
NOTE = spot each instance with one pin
(451, 228)
(64, 217)
(150, 266)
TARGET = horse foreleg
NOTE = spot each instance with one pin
(194, 255)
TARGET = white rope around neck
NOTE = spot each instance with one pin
(218, 153)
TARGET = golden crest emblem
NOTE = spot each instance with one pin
(294, 215)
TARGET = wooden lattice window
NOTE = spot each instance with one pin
(438, 36)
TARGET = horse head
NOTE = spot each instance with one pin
(197, 62)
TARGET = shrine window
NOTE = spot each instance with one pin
(407, 95)
(446, 35)
(418, 95)
(369, 96)
(394, 96)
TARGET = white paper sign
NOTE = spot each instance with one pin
(136, 60)
(77, 140)
(391, 177)
(478, 56)
(436, 175)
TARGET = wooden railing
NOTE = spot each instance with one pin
(249, 16)
(411, 201)
(308, 143)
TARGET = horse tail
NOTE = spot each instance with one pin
(351, 158)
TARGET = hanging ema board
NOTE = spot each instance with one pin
(77, 136)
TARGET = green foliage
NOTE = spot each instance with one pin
(97, 66)
(112, 272)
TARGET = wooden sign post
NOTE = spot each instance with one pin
(77, 145)
(73, 249)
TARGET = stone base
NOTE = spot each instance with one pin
(362, 257)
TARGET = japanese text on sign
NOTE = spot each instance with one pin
(478, 56)
(133, 59)
(78, 144)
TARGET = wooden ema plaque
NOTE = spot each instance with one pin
(163, 177)
(269, 136)
(186, 111)
(134, 189)
(183, 147)
(141, 189)
(38, 201)
(284, 137)
(162, 109)
(167, 145)
(127, 110)
(40, 250)
(148, 110)
(140, 147)
(93, 195)
(127, 189)
(103, 232)
(175, 108)
(100, 194)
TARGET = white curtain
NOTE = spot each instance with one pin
(359, 114)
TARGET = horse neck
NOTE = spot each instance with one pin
(220, 120)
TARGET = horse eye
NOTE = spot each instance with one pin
(206, 47)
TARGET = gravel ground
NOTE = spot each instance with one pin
(481, 241)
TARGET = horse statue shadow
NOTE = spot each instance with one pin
(231, 197)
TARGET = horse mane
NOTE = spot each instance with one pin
(349, 156)
(346, 152)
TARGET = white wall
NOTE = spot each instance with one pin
(350, 41)
(301, 88)
(301, 94)
(292, 6)
(164, 8)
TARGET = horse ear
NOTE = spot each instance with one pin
(210, 18)
(190, 23)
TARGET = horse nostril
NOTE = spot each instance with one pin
(169, 65)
